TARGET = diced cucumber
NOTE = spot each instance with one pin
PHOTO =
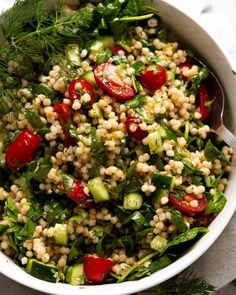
(95, 113)
(158, 243)
(75, 275)
(163, 181)
(98, 190)
(89, 76)
(155, 142)
(124, 45)
(133, 201)
(108, 42)
(72, 52)
(42, 271)
(210, 181)
(97, 47)
(102, 43)
(158, 195)
(61, 234)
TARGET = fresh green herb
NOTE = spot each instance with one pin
(186, 283)
(189, 169)
(162, 33)
(3, 227)
(158, 264)
(73, 133)
(35, 211)
(98, 150)
(68, 181)
(131, 170)
(138, 67)
(103, 56)
(115, 15)
(11, 210)
(211, 152)
(136, 102)
(42, 168)
(26, 233)
(43, 89)
(8, 102)
(118, 60)
(136, 83)
(41, 34)
(136, 265)
(202, 74)
(185, 237)
(36, 122)
(37, 170)
(177, 220)
(179, 194)
(75, 249)
(216, 203)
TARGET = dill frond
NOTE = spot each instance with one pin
(34, 33)
(8, 102)
(187, 283)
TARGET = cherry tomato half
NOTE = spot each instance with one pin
(96, 268)
(183, 67)
(138, 134)
(203, 98)
(63, 111)
(79, 87)
(154, 79)
(115, 51)
(77, 193)
(203, 220)
(107, 77)
(23, 149)
(184, 206)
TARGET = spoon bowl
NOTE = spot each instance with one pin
(215, 120)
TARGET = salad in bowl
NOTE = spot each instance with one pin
(109, 171)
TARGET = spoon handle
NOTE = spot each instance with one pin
(227, 136)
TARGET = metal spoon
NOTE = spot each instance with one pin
(215, 120)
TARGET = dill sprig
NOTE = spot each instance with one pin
(187, 283)
(33, 34)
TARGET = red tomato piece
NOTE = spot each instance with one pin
(183, 67)
(23, 149)
(107, 77)
(203, 220)
(77, 193)
(115, 51)
(203, 98)
(63, 111)
(79, 87)
(97, 268)
(138, 134)
(184, 206)
(154, 79)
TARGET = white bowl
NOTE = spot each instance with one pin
(197, 38)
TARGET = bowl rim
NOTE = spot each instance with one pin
(158, 277)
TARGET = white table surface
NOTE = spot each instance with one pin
(227, 10)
